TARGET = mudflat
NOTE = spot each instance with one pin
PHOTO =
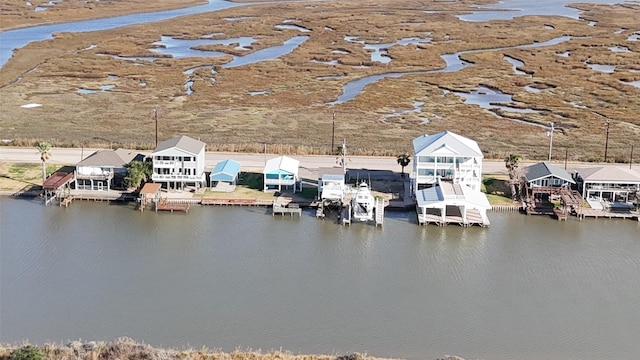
(93, 91)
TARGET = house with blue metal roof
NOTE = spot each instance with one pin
(225, 172)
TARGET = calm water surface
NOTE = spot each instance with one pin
(526, 288)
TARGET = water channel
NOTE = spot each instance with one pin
(527, 287)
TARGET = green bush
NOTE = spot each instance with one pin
(28, 352)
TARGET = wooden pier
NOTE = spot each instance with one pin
(346, 214)
(164, 205)
(596, 213)
(291, 209)
(379, 211)
(235, 202)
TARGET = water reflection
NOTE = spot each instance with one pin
(602, 68)
(492, 99)
(453, 63)
(15, 39)
(183, 48)
(273, 52)
(515, 63)
(507, 10)
(103, 88)
(380, 52)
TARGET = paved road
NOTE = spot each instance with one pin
(255, 162)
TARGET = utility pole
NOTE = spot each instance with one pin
(155, 116)
(333, 133)
(566, 155)
(550, 135)
(631, 157)
(606, 141)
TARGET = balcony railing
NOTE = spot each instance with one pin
(175, 177)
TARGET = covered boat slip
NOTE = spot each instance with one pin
(448, 203)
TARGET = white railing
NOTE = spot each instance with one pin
(162, 177)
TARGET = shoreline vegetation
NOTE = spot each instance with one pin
(127, 348)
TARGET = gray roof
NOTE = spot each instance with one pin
(543, 170)
(183, 143)
(110, 158)
(609, 174)
(330, 171)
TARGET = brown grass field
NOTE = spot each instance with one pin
(127, 348)
(293, 116)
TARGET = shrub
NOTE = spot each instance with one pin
(28, 352)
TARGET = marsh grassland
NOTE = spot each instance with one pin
(287, 102)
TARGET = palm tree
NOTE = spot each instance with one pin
(511, 163)
(403, 160)
(45, 153)
(137, 173)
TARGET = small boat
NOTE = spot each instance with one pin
(363, 203)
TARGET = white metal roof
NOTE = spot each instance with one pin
(283, 163)
(446, 193)
(446, 143)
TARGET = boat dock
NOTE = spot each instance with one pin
(235, 202)
(432, 217)
(597, 213)
(282, 209)
(164, 205)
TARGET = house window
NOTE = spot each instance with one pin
(426, 159)
(425, 172)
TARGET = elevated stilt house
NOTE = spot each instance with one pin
(608, 183)
(179, 162)
(282, 173)
(104, 169)
(447, 178)
(546, 175)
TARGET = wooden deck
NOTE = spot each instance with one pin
(291, 209)
(596, 213)
(235, 202)
(164, 205)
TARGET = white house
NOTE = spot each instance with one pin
(446, 156)
(447, 202)
(615, 184)
(179, 162)
(281, 171)
(331, 184)
(104, 169)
